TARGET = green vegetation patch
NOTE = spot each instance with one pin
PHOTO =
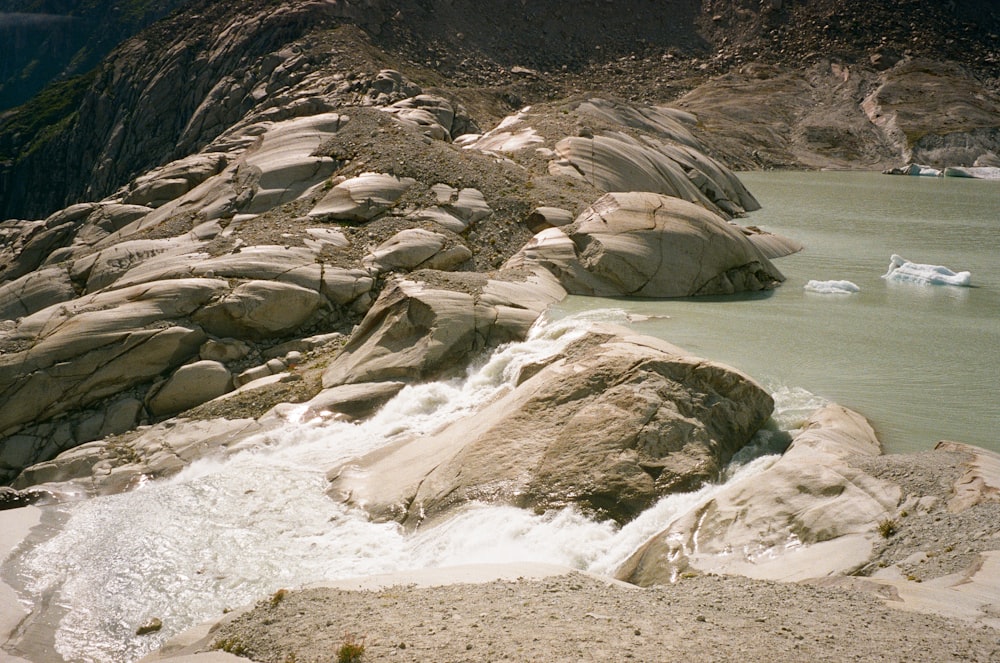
(26, 128)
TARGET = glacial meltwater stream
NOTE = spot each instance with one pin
(920, 361)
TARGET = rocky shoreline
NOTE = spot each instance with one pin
(327, 229)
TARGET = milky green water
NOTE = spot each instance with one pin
(921, 362)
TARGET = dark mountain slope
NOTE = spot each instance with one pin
(175, 87)
(43, 41)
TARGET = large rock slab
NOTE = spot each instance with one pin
(980, 480)
(72, 354)
(649, 245)
(610, 424)
(259, 309)
(622, 163)
(432, 323)
(108, 467)
(433, 115)
(353, 401)
(103, 268)
(660, 121)
(416, 248)
(283, 166)
(810, 514)
(362, 198)
(191, 385)
(173, 180)
(35, 291)
(25, 245)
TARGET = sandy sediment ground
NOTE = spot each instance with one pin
(15, 524)
(577, 617)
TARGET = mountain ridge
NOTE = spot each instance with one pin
(137, 109)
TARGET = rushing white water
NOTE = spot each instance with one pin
(228, 531)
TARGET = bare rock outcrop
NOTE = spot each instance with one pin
(362, 198)
(611, 424)
(649, 245)
(431, 323)
(35, 291)
(103, 468)
(811, 514)
(191, 385)
(96, 346)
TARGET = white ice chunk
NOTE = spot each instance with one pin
(901, 269)
(832, 287)
(978, 172)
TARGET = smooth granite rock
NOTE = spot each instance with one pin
(810, 514)
(34, 292)
(173, 180)
(191, 385)
(649, 245)
(259, 309)
(432, 323)
(362, 198)
(610, 424)
(417, 248)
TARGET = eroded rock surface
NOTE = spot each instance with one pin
(610, 424)
(810, 514)
(649, 245)
(432, 323)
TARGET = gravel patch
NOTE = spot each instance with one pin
(580, 618)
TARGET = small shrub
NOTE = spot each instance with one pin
(231, 645)
(351, 650)
(888, 527)
(278, 597)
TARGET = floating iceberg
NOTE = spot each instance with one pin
(978, 172)
(832, 287)
(901, 269)
(914, 169)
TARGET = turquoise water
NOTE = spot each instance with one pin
(921, 362)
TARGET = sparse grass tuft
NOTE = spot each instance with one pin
(278, 597)
(231, 645)
(352, 649)
(888, 527)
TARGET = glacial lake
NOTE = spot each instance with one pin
(921, 362)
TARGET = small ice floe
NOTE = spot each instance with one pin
(914, 169)
(642, 317)
(975, 172)
(902, 270)
(832, 287)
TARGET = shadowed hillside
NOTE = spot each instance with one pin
(87, 137)
(45, 41)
